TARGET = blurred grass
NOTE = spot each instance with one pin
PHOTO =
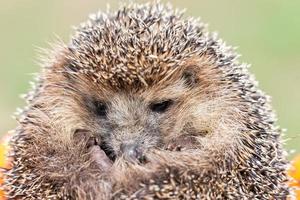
(267, 33)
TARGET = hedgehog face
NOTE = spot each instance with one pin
(128, 126)
(182, 110)
(128, 123)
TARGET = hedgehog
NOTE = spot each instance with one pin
(145, 103)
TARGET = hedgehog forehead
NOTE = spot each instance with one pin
(135, 44)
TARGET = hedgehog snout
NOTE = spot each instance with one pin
(133, 152)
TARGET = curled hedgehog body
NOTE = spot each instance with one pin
(145, 104)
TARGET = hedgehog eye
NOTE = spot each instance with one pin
(161, 107)
(100, 108)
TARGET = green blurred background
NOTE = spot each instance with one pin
(267, 33)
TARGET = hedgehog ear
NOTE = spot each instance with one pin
(190, 78)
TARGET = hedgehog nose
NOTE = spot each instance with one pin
(131, 151)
